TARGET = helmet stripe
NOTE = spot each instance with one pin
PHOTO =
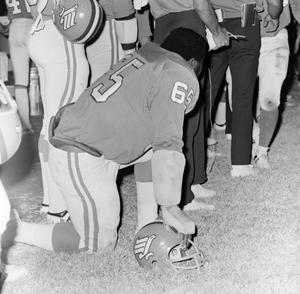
(96, 14)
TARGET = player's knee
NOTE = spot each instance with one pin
(65, 238)
(269, 102)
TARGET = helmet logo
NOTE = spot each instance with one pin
(67, 17)
(142, 247)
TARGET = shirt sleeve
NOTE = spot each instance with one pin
(176, 94)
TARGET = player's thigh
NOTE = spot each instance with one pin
(88, 185)
(272, 70)
(19, 31)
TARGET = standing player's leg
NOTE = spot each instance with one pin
(19, 30)
(273, 64)
(65, 74)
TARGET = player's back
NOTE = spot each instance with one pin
(113, 115)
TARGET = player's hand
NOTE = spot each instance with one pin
(220, 38)
(270, 24)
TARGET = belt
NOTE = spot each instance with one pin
(248, 15)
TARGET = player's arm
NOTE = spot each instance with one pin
(271, 20)
(274, 8)
(126, 24)
(175, 94)
(208, 16)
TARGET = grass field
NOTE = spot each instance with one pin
(252, 239)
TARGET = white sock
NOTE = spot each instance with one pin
(39, 235)
(146, 204)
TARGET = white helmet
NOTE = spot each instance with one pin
(10, 125)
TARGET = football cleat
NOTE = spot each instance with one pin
(242, 171)
(44, 208)
(60, 217)
(159, 245)
(262, 161)
(78, 21)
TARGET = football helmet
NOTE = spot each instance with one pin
(157, 244)
(10, 125)
(78, 21)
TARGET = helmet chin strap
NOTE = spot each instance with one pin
(184, 240)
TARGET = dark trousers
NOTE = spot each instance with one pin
(242, 58)
(195, 152)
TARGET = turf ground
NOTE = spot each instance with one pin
(252, 239)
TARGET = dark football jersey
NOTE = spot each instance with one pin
(139, 103)
(18, 9)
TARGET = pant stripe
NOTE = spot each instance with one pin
(111, 34)
(116, 46)
(68, 75)
(90, 200)
(114, 43)
(73, 74)
(84, 204)
(68, 94)
(91, 225)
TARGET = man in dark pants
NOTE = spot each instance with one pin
(242, 58)
(195, 168)
(169, 16)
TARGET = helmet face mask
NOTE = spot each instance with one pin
(159, 245)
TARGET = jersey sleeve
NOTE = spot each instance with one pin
(175, 95)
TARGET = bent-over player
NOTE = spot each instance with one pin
(133, 113)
